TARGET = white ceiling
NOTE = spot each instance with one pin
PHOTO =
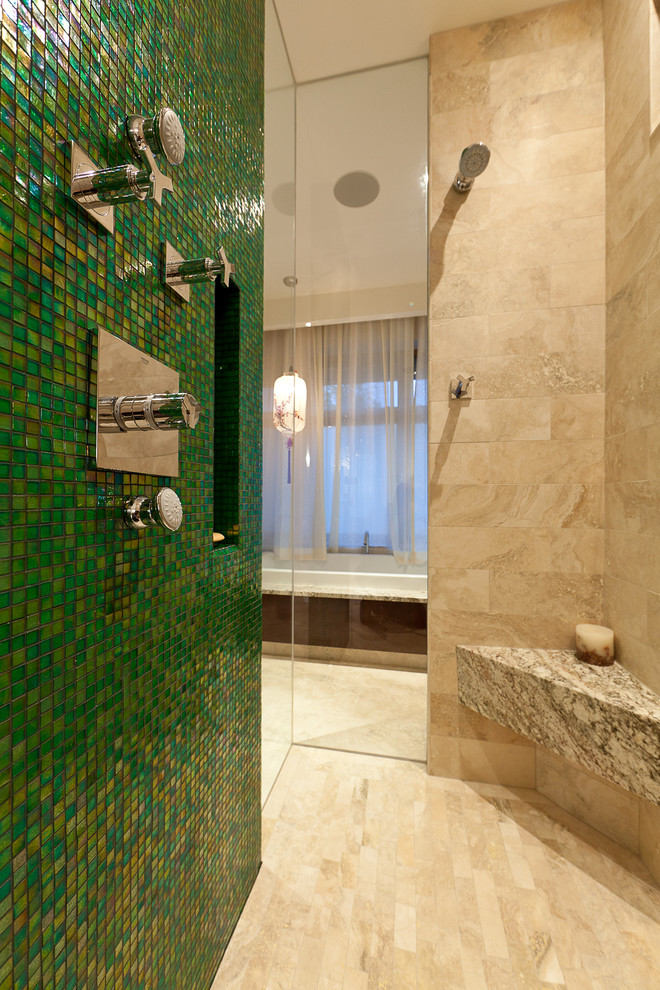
(375, 122)
(330, 37)
(350, 262)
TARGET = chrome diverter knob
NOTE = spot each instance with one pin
(163, 509)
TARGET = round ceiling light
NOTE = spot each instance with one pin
(284, 198)
(356, 189)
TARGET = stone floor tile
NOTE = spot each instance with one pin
(378, 877)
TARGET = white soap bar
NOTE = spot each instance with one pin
(595, 644)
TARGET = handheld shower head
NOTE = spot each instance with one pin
(473, 161)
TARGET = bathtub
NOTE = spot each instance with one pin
(346, 575)
(350, 608)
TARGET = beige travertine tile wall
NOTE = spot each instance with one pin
(612, 810)
(632, 420)
(649, 837)
(630, 820)
(517, 299)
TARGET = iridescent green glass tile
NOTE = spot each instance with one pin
(126, 681)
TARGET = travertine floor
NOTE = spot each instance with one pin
(276, 718)
(377, 876)
(358, 709)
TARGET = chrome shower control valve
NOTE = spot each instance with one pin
(163, 509)
(97, 189)
(159, 411)
(179, 273)
(199, 270)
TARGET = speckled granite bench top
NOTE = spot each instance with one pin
(600, 717)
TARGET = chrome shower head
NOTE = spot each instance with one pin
(161, 135)
(472, 163)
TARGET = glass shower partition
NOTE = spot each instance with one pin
(360, 485)
(279, 316)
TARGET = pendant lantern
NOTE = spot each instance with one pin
(289, 407)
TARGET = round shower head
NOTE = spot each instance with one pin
(474, 160)
(170, 139)
(472, 163)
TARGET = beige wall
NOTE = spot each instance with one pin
(632, 426)
(630, 820)
(517, 300)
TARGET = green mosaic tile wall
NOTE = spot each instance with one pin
(129, 678)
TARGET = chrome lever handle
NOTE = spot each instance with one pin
(230, 269)
(97, 187)
(163, 509)
(122, 184)
(460, 387)
(158, 181)
(181, 272)
(196, 270)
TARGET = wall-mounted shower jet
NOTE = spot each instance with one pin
(97, 189)
(473, 162)
(164, 509)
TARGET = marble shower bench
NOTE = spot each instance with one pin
(602, 718)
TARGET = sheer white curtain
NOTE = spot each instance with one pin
(359, 466)
(404, 357)
(294, 512)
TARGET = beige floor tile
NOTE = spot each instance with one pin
(348, 708)
(577, 979)
(310, 957)
(281, 978)
(405, 936)
(473, 974)
(355, 979)
(360, 709)
(376, 876)
(405, 969)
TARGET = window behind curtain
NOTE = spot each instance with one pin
(374, 478)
